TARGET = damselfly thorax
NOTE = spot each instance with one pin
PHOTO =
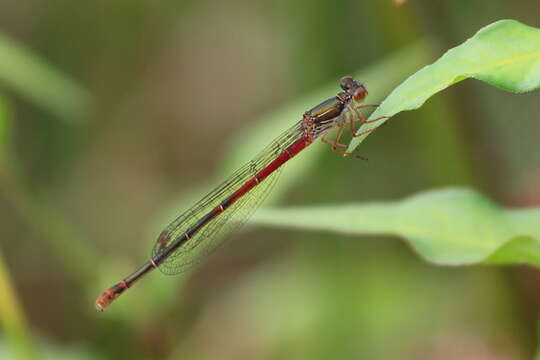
(325, 116)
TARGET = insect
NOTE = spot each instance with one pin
(194, 233)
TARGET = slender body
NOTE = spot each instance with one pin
(194, 231)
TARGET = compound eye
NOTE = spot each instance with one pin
(360, 93)
(346, 82)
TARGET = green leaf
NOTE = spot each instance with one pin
(12, 317)
(4, 132)
(450, 227)
(505, 54)
(78, 256)
(40, 83)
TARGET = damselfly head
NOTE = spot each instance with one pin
(354, 88)
(347, 82)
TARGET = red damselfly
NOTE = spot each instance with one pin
(194, 232)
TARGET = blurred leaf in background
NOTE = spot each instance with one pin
(32, 78)
(5, 133)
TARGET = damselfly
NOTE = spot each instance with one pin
(194, 232)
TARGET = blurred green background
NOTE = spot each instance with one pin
(115, 115)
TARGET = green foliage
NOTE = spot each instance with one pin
(451, 227)
(325, 300)
(448, 227)
(11, 314)
(50, 89)
(505, 54)
(12, 317)
(42, 84)
(4, 132)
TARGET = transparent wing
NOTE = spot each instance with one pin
(210, 236)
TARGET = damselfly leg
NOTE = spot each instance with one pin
(351, 121)
(334, 144)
